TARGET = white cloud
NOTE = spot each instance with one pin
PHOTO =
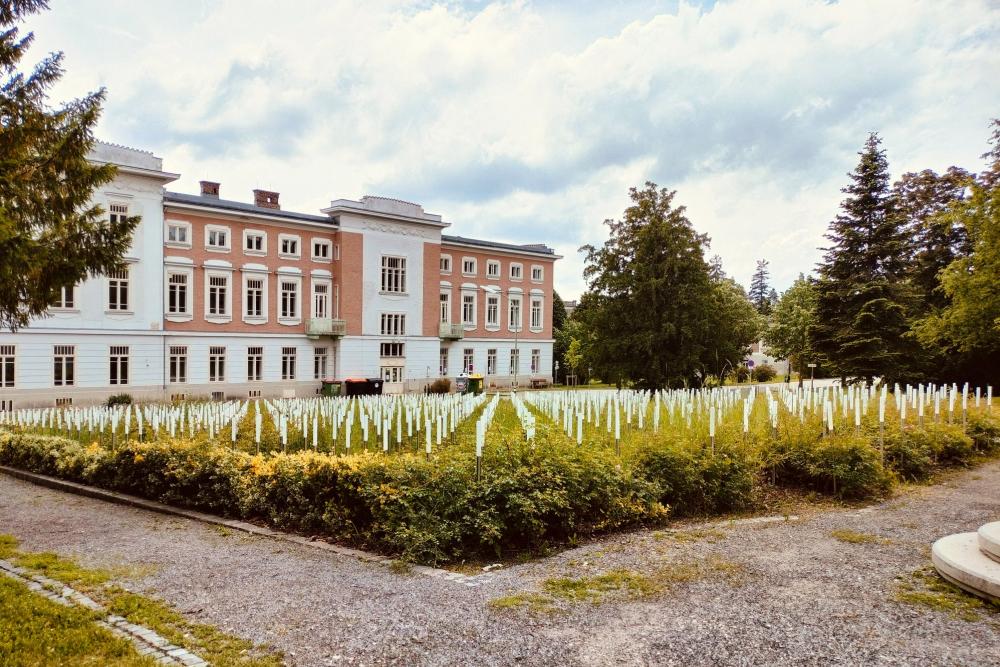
(529, 122)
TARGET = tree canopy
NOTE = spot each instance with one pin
(793, 316)
(760, 291)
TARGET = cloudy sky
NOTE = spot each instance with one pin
(529, 121)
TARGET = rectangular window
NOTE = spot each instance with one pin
(468, 266)
(319, 363)
(515, 271)
(491, 362)
(216, 364)
(393, 274)
(445, 263)
(392, 350)
(218, 296)
(467, 358)
(288, 363)
(288, 245)
(254, 297)
(178, 363)
(536, 313)
(536, 361)
(255, 364)
(289, 299)
(443, 362)
(217, 238)
(493, 311)
(445, 307)
(493, 269)
(321, 251)
(254, 243)
(321, 300)
(177, 293)
(514, 313)
(536, 274)
(64, 360)
(392, 373)
(6, 366)
(393, 324)
(66, 297)
(515, 361)
(118, 372)
(118, 290)
(178, 233)
(469, 309)
(117, 212)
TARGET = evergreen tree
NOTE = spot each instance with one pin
(51, 235)
(861, 313)
(759, 289)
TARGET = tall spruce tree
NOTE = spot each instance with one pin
(759, 292)
(861, 306)
(50, 234)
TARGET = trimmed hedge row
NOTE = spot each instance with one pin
(530, 498)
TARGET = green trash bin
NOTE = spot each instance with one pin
(330, 388)
(475, 385)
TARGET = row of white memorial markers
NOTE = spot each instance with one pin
(689, 408)
(297, 421)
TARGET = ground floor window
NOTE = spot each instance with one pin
(118, 371)
(467, 366)
(319, 363)
(536, 361)
(216, 364)
(6, 365)
(255, 364)
(515, 361)
(288, 363)
(491, 362)
(178, 363)
(443, 362)
(392, 373)
(63, 363)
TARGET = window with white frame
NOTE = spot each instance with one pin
(445, 307)
(536, 312)
(491, 361)
(445, 263)
(216, 363)
(117, 212)
(516, 271)
(536, 361)
(319, 363)
(253, 300)
(321, 299)
(468, 266)
(393, 274)
(254, 242)
(118, 370)
(467, 360)
(63, 365)
(515, 361)
(7, 358)
(288, 245)
(321, 250)
(392, 350)
(289, 299)
(118, 284)
(537, 273)
(392, 373)
(393, 324)
(178, 233)
(469, 309)
(216, 237)
(217, 303)
(177, 293)
(443, 362)
(67, 298)
(288, 355)
(493, 269)
(255, 364)
(493, 310)
(514, 312)
(177, 363)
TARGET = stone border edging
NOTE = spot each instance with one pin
(147, 642)
(116, 497)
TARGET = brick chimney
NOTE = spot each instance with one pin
(209, 188)
(265, 199)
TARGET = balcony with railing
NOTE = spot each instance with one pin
(452, 331)
(317, 327)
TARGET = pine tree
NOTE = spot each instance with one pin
(759, 289)
(862, 295)
(50, 234)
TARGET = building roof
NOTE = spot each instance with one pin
(241, 207)
(532, 248)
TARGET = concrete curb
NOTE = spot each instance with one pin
(471, 581)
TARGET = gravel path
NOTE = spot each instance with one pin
(779, 594)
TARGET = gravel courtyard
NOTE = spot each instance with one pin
(777, 593)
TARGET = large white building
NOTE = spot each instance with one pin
(224, 298)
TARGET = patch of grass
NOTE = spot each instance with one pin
(854, 537)
(594, 588)
(401, 567)
(35, 631)
(62, 569)
(694, 535)
(925, 588)
(222, 530)
(536, 603)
